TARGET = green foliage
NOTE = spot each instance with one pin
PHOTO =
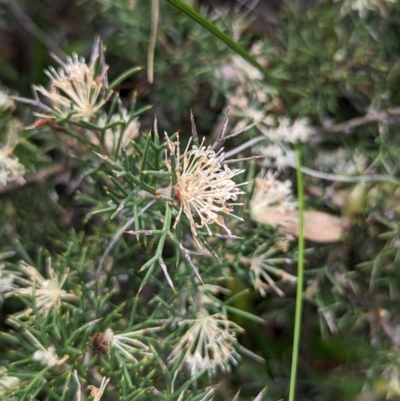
(139, 261)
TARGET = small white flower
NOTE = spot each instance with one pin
(272, 200)
(277, 155)
(288, 131)
(47, 293)
(208, 343)
(46, 357)
(11, 170)
(7, 383)
(204, 186)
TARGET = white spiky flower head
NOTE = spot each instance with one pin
(272, 200)
(77, 89)
(47, 293)
(208, 343)
(204, 186)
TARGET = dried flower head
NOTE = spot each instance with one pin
(96, 392)
(204, 186)
(272, 200)
(263, 263)
(47, 293)
(76, 88)
(11, 170)
(209, 343)
(126, 343)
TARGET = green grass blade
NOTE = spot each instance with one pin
(197, 17)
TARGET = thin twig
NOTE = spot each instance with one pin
(195, 136)
(349, 125)
(155, 128)
(243, 146)
(243, 159)
(241, 130)
(348, 178)
(155, 11)
(315, 173)
(41, 175)
(219, 142)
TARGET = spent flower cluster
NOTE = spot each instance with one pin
(278, 153)
(264, 263)
(208, 343)
(204, 186)
(77, 90)
(47, 293)
(272, 200)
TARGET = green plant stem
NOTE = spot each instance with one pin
(124, 76)
(300, 276)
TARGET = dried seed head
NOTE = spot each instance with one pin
(204, 186)
(101, 343)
